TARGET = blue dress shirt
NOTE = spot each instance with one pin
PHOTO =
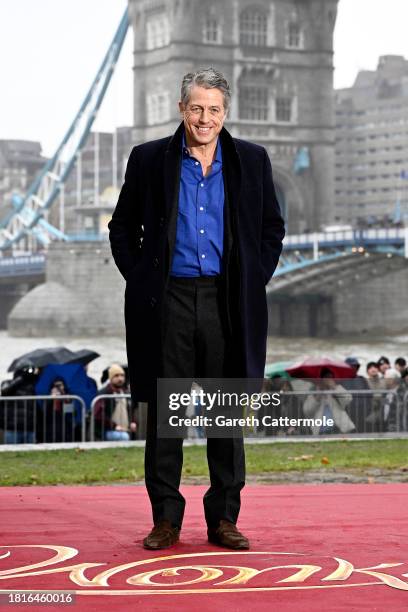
(200, 222)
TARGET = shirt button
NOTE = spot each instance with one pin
(201, 207)
(201, 184)
(196, 163)
(201, 231)
(203, 256)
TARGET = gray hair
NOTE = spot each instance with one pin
(208, 78)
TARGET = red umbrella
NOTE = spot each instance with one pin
(311, 367)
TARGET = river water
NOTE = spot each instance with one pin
(279, 349)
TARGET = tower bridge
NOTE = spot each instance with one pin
(320, 280)
(51, 280)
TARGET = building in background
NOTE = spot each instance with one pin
(278, 58)
(371, 146)
(20, 161)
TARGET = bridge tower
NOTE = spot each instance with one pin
(278, 58)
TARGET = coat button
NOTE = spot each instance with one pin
(153, 302)
(156, 262)
(161, 221)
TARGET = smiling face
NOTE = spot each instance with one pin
(203, 116)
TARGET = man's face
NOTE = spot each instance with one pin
(203, 116)
(372, 372)
(118, 380)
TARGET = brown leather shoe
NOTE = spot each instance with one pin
(162, 535)
(227, 535)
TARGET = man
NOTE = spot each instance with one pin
(376, 383)
(400, 364)
(17, 418)
(391, 414)
(197, 233)
(114, 418)
(373, 374)
(361, 404)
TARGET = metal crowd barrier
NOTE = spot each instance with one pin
(370, 411)
(37, 418)
(405, 409)
(102, 407)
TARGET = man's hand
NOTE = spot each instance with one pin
(133, 426)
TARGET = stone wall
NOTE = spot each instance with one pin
(360, 307)
(83, 295)
(372, 305)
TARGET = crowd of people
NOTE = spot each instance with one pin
(374, 402)
(58, 418)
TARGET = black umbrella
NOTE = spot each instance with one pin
(42, 357)
(83, 356)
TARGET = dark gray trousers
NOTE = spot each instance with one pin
(196, 343)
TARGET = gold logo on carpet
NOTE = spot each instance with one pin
(216, 572)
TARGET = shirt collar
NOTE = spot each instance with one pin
(218, 151)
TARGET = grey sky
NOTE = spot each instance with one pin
(50, 51)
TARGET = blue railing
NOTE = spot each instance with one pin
(22, 265)
(386, 236)
(343, 242)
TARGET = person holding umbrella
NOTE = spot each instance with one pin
(331, 405)
(59, 413)
(18, 418)
(361, 405)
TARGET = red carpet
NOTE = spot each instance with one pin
(342, 547)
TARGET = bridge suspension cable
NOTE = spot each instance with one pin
(27, 217)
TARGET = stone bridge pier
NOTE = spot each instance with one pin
(83, 294)
(356, 295)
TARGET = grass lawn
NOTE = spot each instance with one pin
(125, 465)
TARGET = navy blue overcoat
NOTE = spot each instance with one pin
(142, 234)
